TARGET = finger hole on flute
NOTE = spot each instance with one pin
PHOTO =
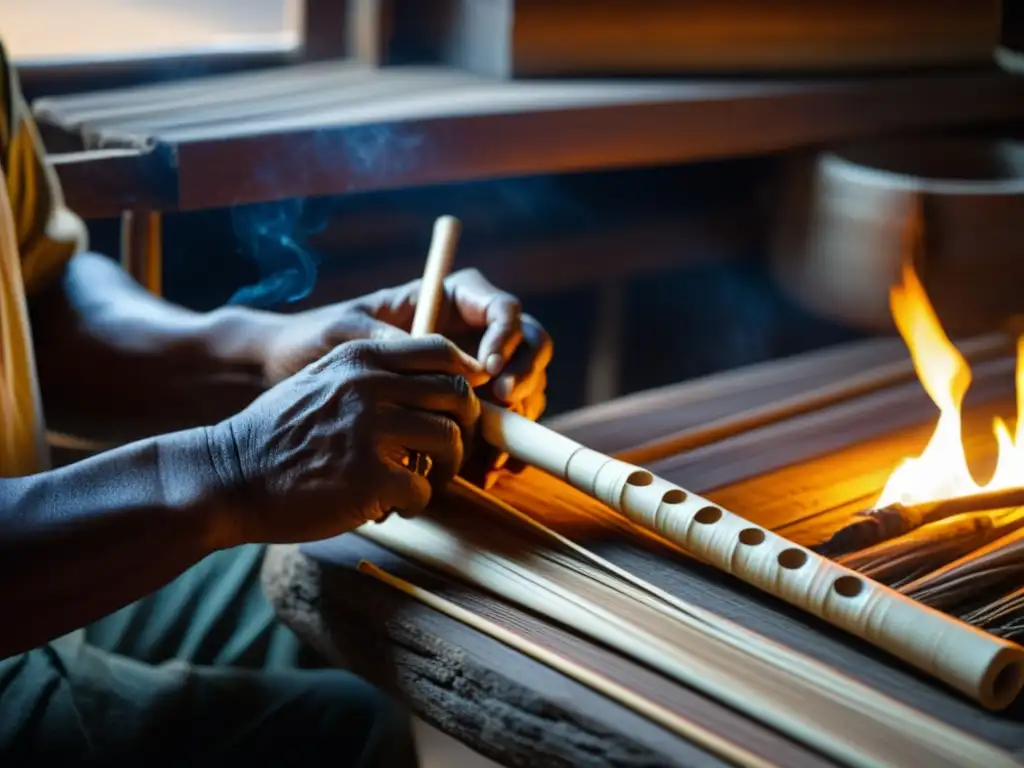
(792, 559)
(751, 537)
(674, 496)
(848, 586)
(640, 478)
(708, 515)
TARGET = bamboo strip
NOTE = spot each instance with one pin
(689, 730)
(855, 726)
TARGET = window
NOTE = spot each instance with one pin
(56, 31)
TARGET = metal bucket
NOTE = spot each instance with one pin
(845, 216)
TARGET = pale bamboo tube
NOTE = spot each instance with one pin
(439, 264)
(666, 718)
(981, 666)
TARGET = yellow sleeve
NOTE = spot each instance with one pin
(48, 233)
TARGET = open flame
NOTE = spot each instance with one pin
(941, 471)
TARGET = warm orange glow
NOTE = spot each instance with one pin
(941, 471)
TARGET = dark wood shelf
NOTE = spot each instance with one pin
(331, 128)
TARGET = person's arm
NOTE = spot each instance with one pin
(313, 457)
(117, 363)
(80, 542)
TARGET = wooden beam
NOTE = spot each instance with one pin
(510, 130)
(103, 183)
(142, 248)
(554, 263)
(325, 29)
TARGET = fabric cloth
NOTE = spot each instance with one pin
(38, 235)
(200, 672)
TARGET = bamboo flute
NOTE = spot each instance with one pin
(979, 665)
(984, 667)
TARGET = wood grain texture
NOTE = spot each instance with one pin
(331, 128)
(507, 706)
(667, 421)
(101, 184)
(534, 38)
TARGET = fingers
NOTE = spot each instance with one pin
(535, 404)
(450, 396)
(427, 354)
(401, 491)
(439, 437)
(482, 306)
(527, 370)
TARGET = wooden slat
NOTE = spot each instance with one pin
(621, 425)
(103, 183)
(539, 38)
(324, 31)
(795, 441)
(501, 724)
(325, 129)
(556, 262)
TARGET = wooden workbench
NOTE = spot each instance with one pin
(521, 713)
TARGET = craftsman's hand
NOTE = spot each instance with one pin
(321, 452)
(485, 321)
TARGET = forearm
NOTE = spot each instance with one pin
(81, 542)
(117, 363)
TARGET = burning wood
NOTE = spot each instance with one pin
(937, 484)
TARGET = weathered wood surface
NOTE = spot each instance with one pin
(837, 459)
(339, 127)
(505, 705)
(536, 38)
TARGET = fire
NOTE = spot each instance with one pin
(941, 471)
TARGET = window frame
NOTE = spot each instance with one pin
(321, 36)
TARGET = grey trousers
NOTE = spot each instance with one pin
(198, 673)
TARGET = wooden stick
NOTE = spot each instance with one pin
(666, 718)
(878, 524)
(439, 263)
(986, 668)
(987, 501)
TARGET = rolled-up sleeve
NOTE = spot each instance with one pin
(48, 233)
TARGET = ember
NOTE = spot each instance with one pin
(942, 471)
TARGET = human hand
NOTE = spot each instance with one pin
(321, 452)
(513, 347)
